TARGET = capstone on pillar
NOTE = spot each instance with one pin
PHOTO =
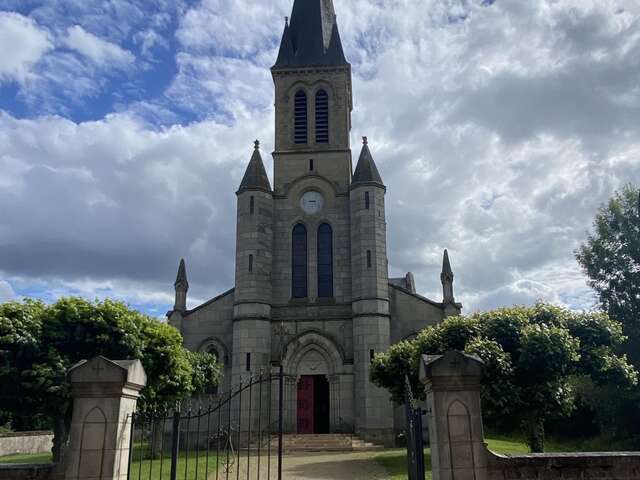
(452, 383)
(105, 393)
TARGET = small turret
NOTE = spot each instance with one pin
(446, 277)
(370, 293)
(253, 285)
(366, 169)
(255, 177)
(368, 250)
(254, 237)
(182, 287)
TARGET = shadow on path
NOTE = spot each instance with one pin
(350, 466)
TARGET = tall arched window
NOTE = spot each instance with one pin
(300, 118)
(322, 117)
(299, 262)
(325, 261)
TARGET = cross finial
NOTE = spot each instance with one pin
(365, 141)
(256, 144)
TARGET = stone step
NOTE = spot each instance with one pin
(324, 443)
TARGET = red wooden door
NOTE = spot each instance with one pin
(305, 404)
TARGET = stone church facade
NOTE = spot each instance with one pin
(312, 289)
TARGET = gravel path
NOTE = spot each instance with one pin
(314, 466)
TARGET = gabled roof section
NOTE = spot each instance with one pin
(210, 302)
(366, 170)
(400, 288)
(255, 178)
(312, 37)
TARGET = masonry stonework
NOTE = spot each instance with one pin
(105, 394)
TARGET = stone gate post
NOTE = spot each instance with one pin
(104, 394)
(452, 384)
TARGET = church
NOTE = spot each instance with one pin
(312, 290)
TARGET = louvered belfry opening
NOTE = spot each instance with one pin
(322, 117)
(301, 129)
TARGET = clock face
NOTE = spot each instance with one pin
(312, 202)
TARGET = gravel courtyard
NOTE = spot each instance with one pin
(316, 466)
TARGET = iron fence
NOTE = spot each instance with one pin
(237, 436)
(415, 441)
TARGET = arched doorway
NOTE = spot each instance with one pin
(313, 365)
(313, 394)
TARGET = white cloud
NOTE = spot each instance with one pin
(22, 44)
(101, 52)
(6, 292)
(498, 130)
(148, 40)
(118, 201)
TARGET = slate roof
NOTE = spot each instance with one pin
(366, 170)
(312, 37)
(255, 177)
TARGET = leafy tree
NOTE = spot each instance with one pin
(206, 372)
(610, 258)
(39, 343)
(532, 356)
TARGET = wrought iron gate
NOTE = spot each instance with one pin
(238, 436)
(415, 443)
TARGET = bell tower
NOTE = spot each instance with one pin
(313, 98)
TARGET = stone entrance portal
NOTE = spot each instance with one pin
(318, 386)
(313, 404)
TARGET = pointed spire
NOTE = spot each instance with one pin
(286, 54)
(366, 170)
(446, 277)
(311, 38)
(255, 177)
(181, 278)
(446, 264)
(182, 287)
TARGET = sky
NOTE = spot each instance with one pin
(499, 128)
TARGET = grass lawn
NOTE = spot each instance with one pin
(144, 469)
(27, 458)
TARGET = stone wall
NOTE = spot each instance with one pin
(26, 472)
(211, 324)
(565, 466)
(25, 442)
(458, 448)
(411, 313)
